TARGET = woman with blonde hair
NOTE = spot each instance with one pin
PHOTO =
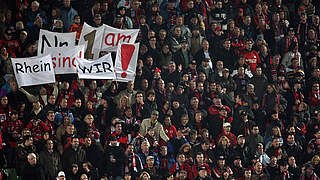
(315, 161)
(122, 105)
(144, 176)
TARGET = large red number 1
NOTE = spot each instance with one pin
(90, 38)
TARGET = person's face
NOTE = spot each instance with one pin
(315, 87)
(258, 167)
(139, 98)
(118, 128)
(291, 161)
(136, 4)
(205, 45)
(151, 97)
(219, 65)
(172, 67)
(241, 141)
(150, 162)
(248, 45)
(32, 160)
(66, 3)
(167, 120)
(70, 129)
(255, 130)
(181, 158)
(269, 89)
(50, 144)
(177, 31)
(276, 143)
(78, 103)
(250, 89)
(145, 147)
(309, 171)
(14, 116)
(200, 85)
(227, 44)
(64, 103)
(247, 174)
(199, 158)
(164, 151)
(130, 85)
(161, 84)
(219, 4)
(75, 143)
(87, 141)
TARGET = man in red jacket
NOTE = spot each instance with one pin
(251, 56)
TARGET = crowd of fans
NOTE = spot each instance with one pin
(224, 89)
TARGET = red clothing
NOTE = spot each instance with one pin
(252, 59)
(230, 136)
(76, 28)
(175, 168)
(38, 130)
(121, 138)
(314, 99)
(13, 46)
(10, 126)
(195, 168)
(171, 131)
(214, 110)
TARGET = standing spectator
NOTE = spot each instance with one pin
(73, 155)
(50, 160)
(114, 159)
(67, 14)
(33, 170)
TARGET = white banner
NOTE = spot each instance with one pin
(126, 61)
(112, 37)
(49, 40)
(64, 59)
(91, 37)
(33, 70)
(101, 68)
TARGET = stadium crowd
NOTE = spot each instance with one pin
(224, 89)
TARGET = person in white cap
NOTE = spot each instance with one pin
(227, 132)
(61, 176)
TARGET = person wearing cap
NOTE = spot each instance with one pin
(237, 167)
(220, 167)
(183, 55)
(309, 173)
(288, 40)
(151, 168)
(203, 174)
(61, 176)
(205, 68)
(114, 159)
(153, 123)
(226, 131)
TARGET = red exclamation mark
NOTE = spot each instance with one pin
(126, 55)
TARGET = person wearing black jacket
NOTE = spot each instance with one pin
(114, 158)
(73, 155)
(33, 170)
